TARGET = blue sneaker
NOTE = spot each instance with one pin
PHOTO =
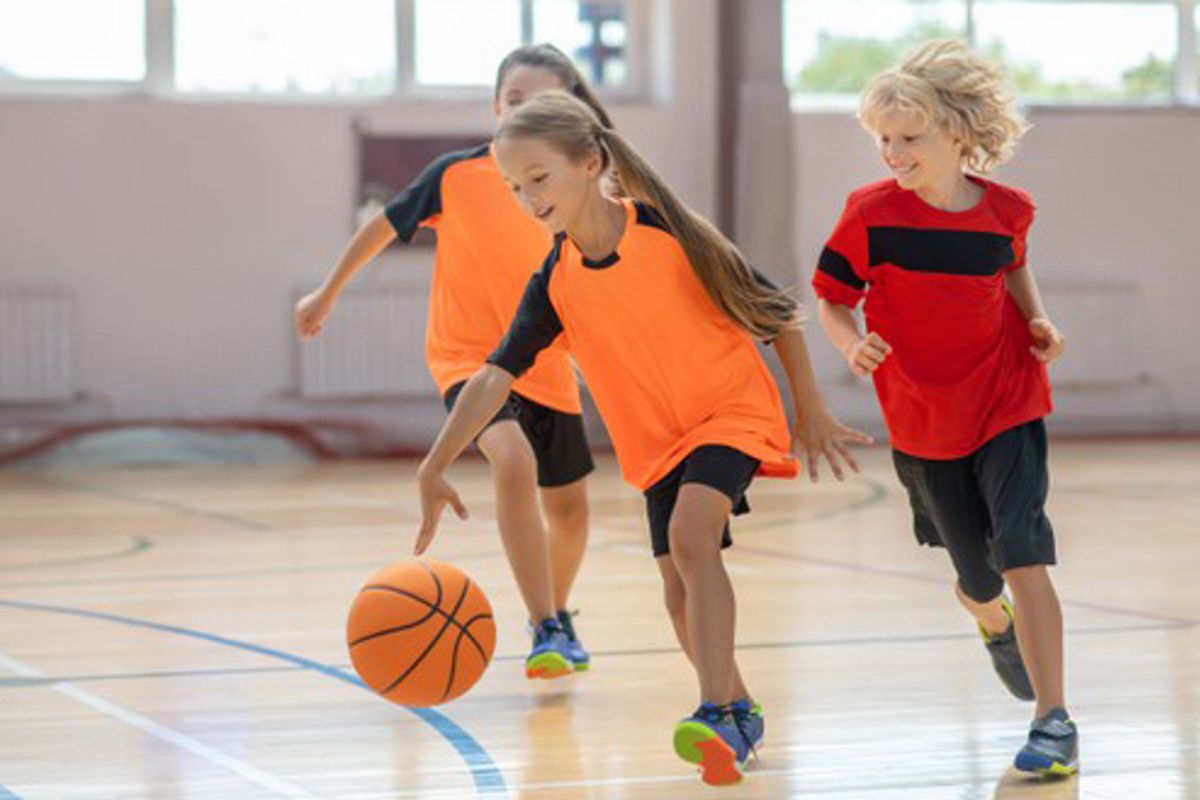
(1006, 657)
(550, 656)
(580, 658)
(750, 722)
(711, 738)
(1052, 747)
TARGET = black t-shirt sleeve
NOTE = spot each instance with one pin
(534, 328)
(421, 200)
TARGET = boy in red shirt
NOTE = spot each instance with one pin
(957, 343)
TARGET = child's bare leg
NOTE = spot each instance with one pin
(675, 596)
(518, 516)
(1039, 633)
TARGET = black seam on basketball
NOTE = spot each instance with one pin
(453, 667)
(432, 612)
(457, 643)
(437, 637)
(467, 632)
(422, 601)
(389, 631)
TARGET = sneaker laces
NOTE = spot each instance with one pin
(740, 715)
(545, 629)
(564, 619)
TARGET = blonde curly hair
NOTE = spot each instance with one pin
(951, 87)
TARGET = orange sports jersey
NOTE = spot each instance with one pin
(487, 246)
(668, 369)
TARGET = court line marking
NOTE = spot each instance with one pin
(20, 683)
(159, 731)
(489, 780)
(165, 505)
(140, 545)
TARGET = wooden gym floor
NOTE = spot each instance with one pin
(177, 633)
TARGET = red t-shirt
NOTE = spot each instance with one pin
(960, 371)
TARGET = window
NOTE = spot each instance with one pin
(460, 42)
(72, 40)
(305, 46)
(1082, 52)
(832, 47)
(593, 33)
(1064, 51)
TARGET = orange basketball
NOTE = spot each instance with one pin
(420, 632)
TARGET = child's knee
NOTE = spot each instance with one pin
(979, 587)
(570, 517)
(691, 546)
(512, 462)
(1019, 577)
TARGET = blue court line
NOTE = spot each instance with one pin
(489, 781)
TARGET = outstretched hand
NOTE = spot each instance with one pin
(436, 494)
(820, 434)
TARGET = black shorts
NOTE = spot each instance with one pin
(725, 469)
(558, 440)
(987, 509)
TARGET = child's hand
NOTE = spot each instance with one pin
(819, 433)
(866, 356)
(311, 312)
(436, 494)
(1048, 343)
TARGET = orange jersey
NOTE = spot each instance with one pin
(668, 369)
(487, 246)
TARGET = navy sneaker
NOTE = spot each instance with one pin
(711, 738)
(550, 656)
(750, 722)
(580, 658)
(1006, 657)
(1052, 747)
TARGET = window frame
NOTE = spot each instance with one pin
(1185, 86)
(159, 79)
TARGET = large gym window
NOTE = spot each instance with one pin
(72, 40)
(1064, 52)
(460, 42)
(349, 48)
(296, 46)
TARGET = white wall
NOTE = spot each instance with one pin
(185, 228)
(1117, 220)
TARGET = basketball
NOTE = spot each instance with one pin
(420, 633)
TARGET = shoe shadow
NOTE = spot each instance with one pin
(1016, 785)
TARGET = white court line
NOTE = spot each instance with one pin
(199, 749)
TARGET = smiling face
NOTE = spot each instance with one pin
(520, 84)
(919, 155)
(548, 184)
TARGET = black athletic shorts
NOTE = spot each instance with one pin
(725, 469)
(558, 439)
(987, 509)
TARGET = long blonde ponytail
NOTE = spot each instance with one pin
(571, 127)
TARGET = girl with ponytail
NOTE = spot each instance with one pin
(486, 248)
(661, 313)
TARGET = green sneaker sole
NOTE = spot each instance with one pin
(547, 665)
(696, 743)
